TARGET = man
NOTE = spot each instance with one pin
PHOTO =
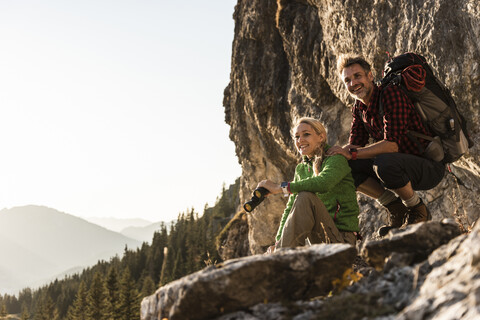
(392, 162)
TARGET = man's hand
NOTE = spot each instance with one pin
(367, 152)
(340, 150)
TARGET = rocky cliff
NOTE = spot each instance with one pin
(283, 67)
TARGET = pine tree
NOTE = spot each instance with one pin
(12, 304)
(148, 286)
(3, 311)
(178, 267)
(25, 314)
(113, 300)
(129, 298)
(156, 261)
(46, 309)
(78, 310)
(97, 299)
(26, 298)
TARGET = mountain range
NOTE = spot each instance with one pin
(38, 244)
(138, 229)
(116, 224)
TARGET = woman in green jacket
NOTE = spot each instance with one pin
(322, 207)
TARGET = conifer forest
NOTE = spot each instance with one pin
(113, 290)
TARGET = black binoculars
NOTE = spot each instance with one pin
(258, 196)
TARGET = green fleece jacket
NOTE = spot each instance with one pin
(334, 186)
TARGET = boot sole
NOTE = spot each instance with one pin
(383, 231)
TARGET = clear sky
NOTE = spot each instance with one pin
(113, 108)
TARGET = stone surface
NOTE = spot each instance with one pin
(286, 275)
(410, 245)
(452, 289)
(286, 70)
(446, 285)
(233, 241)
(348, 307)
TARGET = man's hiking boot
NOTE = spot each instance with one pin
(397, 212)
(418, 213)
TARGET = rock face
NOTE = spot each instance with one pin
(283, 68)
(288, 275)
(294, 283)
(233, 240)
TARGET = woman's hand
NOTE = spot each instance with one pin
(271, 186)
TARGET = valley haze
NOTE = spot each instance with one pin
(39, 244)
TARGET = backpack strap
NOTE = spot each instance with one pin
(419, 135)
(393, 79)
(413, 136)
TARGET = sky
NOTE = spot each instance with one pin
(113, 108)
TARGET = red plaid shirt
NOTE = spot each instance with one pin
(400, 116)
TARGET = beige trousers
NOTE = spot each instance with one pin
(309, 218)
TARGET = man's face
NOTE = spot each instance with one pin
(358, 83)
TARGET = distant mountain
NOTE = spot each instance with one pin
(118, 225)
(138, 229)
(143, 234)
(38, 243)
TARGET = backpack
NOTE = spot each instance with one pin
(433, 102)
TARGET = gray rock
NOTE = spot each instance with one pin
(233, 240)
(410, 245)
(451, 290)
(346, 307)
(286, 275)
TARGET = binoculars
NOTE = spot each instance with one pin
(258, 196)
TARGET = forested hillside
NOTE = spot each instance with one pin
(113, 289)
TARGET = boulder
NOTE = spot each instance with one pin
(286, 275)
(410, 245)
(451, 290)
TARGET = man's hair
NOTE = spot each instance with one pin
(346, 60)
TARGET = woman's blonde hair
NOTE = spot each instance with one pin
(314, 123)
